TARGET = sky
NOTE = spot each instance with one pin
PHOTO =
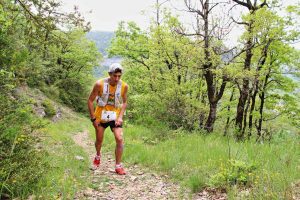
(105, 15)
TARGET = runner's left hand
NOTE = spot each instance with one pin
(119, 121)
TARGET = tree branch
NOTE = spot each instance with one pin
(243, 4)
(222, 88)
(240, 23)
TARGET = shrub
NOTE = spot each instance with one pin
(74, 92)
(234, 172)
(49, 108)
(21, 163)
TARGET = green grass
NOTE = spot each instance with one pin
(192, 159)
(66, 174)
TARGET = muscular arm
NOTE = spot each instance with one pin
(124, 98)
(124, 105)
(92, 97)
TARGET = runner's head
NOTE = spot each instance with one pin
(115, 72)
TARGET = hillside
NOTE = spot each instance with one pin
(102, 40)
(68, 140)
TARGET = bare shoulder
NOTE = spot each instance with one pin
(97, 86)
(98, 83)
(126, 86)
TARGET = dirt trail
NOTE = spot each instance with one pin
(136, 184)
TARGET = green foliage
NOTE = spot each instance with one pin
(73, 72)
(198, 161)
(233, 172)
(49, 108)
(21, 162)
(45, 49)
(161, 73)
(165, 71)
(74, 91)
(65, 175)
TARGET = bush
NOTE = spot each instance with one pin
(74, 92)
(49, 108)
(20, 162)
(173, 110)
(234, 172)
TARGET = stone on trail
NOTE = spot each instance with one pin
(88, 192)
(140, 173)
(111, 170)
(133, 178)
(79, 158)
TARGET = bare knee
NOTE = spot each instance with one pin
(119, 140)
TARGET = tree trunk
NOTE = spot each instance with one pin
(201, 120)
(244, 91)
(228, 109)
(241, 107)
(209, 126)
(245, 88)
(261, 62)
(261, 107)
(253, 100)
(246, 111)
(213, 94)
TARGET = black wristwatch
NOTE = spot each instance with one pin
(93, 119)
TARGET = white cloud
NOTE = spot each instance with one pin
(106, 14)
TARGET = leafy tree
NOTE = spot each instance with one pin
(160, 68)
(43, 48)
(265, 33)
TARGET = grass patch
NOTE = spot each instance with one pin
(194, 159)
(66, 174)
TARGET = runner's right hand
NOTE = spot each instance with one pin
(95, 124)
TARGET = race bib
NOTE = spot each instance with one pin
(108, 115)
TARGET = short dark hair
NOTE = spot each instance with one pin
(118, 70)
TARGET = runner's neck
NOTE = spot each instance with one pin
(111, 83)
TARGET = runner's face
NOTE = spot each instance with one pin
(115, 77)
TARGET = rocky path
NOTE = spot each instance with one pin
(136, 184)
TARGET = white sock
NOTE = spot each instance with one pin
(98, 157)
(119, 165)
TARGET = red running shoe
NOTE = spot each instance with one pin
(120, 171)
(96, 161)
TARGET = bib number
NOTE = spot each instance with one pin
(108, 115)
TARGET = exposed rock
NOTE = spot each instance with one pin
(31, 197)
(140, 173)
(88, 192)
(133, 178)
(79, 158)
(39, 111)
(58, 115)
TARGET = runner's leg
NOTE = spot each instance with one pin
(118, 132)
(99, 139)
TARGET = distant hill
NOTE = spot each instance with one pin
(102, 40)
